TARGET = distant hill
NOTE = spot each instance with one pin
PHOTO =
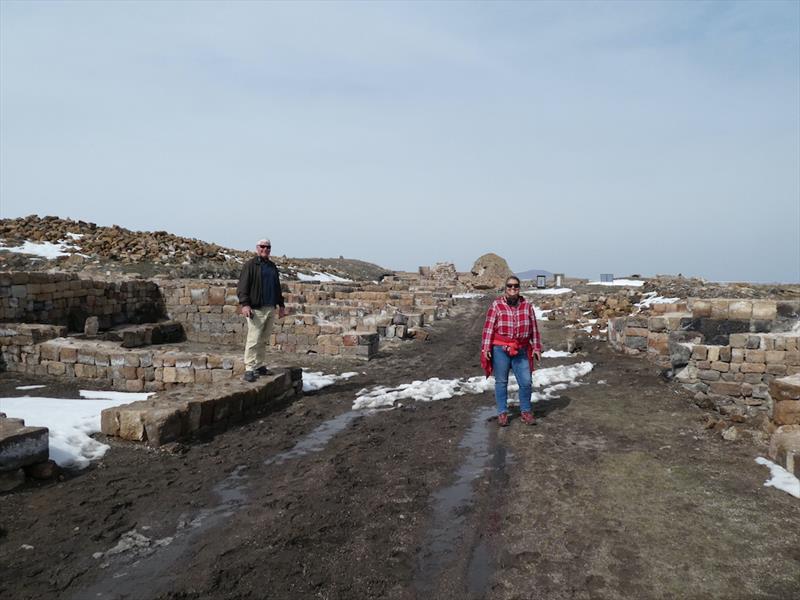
(533, 273)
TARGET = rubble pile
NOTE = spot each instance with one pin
(146, 251)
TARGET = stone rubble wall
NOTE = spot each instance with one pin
(67, 299)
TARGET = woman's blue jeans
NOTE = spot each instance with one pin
(502, 363)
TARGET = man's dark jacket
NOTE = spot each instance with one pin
(249, 288)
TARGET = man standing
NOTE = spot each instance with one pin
(259, 292)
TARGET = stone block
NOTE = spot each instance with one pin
(56, 368)
(753, 342)
(720, 308)
(185, 375)
(701, 308)
(713, 353)
(765, 310)
(740, 310)
(49, 351)
(785, 388)
(748, 367)
(738, 340)
(784, 448)
(699, 352)
(131, 422)
(163, 425)
(708, 375)
(720, 366)
(68, 354)
(726, 388)
(21, 446)
(737, 354)
(657, 324)
(636, 332)
(658, 343)
(170, 375)
(755, 356)
(109, 421)
(786, 412)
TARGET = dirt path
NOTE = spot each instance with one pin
(617, 493)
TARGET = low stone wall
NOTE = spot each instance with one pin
(66, 299)
(208, 312)
(171, 415)
(729, 351)
(150, 368)
(743, 369)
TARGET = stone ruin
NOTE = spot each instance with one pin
(182, 339)
(740, 356)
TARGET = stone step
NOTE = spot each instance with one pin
(21, 446)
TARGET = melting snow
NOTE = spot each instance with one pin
(555, 354)
(313, 381)
(549, 291)
(549, 380)
(780, 478)
(322, 277)
(622, 282)
(43, 249)
(651, 298)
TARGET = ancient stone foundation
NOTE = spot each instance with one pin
(175, 414)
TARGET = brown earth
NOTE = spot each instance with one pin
(618, 493)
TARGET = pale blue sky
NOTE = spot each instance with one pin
(633, 137)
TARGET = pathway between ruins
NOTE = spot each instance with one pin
(619, 492)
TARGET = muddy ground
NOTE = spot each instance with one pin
(618, 492)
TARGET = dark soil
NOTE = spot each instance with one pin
(617, 493)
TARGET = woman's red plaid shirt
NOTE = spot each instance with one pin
(516, 322)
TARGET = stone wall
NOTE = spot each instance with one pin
(150, 368)
(323, 317)
(729, 351)
(66, 299)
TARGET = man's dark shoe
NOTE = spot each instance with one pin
(261, 371)
(502, 419)
(527, 418)
(250, 376)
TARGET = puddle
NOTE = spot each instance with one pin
(317, 439)
(450, 507)
(145, 570)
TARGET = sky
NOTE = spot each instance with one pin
(583, 138)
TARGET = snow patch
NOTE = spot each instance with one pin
(620, 282)
(549, 291)
(313, 381)
(322, 277)
(550, 380)
(780, 478)
(555, 354)
(46, 250)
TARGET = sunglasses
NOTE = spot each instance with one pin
(512, 285)
(262, 246)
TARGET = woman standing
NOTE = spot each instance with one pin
(511, 342)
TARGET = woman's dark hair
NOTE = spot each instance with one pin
(514, 277)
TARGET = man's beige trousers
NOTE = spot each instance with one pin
(259, 328)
